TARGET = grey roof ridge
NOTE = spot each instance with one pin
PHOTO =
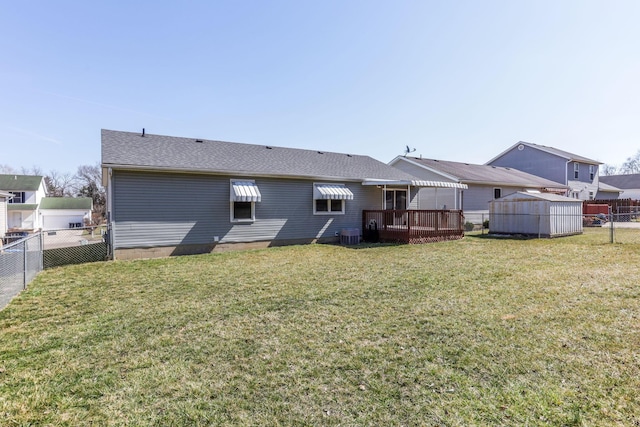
(193, 139)
(232, 172)
(408, 160)
(550, 150)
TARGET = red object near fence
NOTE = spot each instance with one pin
(595, 209)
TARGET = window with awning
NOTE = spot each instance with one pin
(245, 191)
(332, 192)
(329, 199)
(243, 196)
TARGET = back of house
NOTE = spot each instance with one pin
(173, 195)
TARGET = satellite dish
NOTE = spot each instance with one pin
(408, 150)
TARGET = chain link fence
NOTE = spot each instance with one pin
(20, 262)
(74, 246)
(620, 227)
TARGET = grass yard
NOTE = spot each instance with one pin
(472, 332)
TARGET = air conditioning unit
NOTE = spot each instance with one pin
(350, 236)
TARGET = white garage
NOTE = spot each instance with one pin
(65, 212)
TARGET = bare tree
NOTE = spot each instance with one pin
(33, 170)
(6, 169)
(89, 184)
(60, 184)
(606, 170)
(632, 165)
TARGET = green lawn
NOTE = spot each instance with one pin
(473, 332)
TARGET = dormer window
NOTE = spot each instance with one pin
(576, 170)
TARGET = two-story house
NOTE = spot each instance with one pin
(29, 208)
(578, 173)
(23, 207)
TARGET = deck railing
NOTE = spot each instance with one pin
(412, 226)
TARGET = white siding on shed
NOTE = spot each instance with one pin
(544, 215)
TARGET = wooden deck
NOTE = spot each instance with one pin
(412, 226)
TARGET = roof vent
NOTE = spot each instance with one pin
(320, 152)
(142, 133)
(198, 140)
(268, 148)
(349, 155)
(520, 147)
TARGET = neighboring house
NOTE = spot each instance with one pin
(4, 199)
(629, 184)
(65, 212)
(170, 195)
(23, 208)
(485, 183)
(578, 173)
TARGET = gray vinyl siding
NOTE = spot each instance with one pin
(477, 197)
(154, 209)
(536, 162)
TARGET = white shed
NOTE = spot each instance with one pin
(535, 214)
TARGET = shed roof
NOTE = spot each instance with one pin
(550, 197)
(560, 153)
(622, 181)
(13, 182)
(128, 150)
(81, 203)
(483, 174)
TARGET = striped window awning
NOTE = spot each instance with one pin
(245, 191)
(332, 191)
(439, 184)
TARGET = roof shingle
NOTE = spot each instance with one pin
(132, 150)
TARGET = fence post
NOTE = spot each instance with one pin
(24, 264)
(41, 249)
(611, 225)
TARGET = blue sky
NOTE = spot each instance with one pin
(456, 80)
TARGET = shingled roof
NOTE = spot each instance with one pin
(84, 203)
(560, 153)
(13, 182)
(469, 173)
(128, 150)
(622, 181)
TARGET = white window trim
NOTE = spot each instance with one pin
(234, 220)
(592, 172)
(342, 201)
(394, 190)
(576, 170)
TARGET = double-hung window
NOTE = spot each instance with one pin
(18, 197)
(592, 172)
(244, 194)
(576, 170)
(329, 199)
